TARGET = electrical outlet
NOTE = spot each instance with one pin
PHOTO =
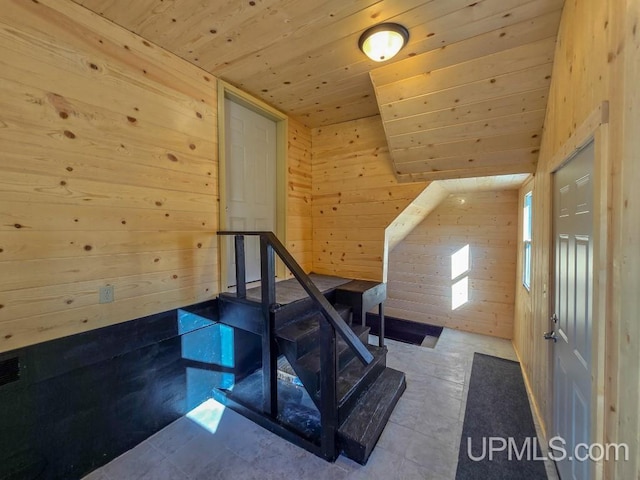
(106, 294)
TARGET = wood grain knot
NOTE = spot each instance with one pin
(17, 225)
(172, 157)
(175, 276)
(88, 248)
(198, 114)
(199, 245)
(69, 169)
(64, 115)
(93, 66)
(69, 302)
(132, 119)
(158, 204)
(124, 222)
(69, 134)
(192, 146)
(156, 260)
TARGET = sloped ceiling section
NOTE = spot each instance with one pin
(474, 107)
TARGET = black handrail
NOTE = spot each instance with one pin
(316, 295)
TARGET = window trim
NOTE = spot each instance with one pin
(527, 224)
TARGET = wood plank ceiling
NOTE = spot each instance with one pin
(465, 98)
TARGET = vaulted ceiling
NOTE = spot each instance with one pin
(466, 97)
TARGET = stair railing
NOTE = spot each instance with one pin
(270, 245)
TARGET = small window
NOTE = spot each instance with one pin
(526, 237)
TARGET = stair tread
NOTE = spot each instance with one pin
(354, 372)
(361, 430)
(311, 361)
(305, 326)
(302, 327)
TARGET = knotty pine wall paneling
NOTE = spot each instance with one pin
(108, 174)
(420, 284)
(355, 197)
(596, 61)
(299, 195)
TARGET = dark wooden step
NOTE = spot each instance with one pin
(301, 336)
(308, 366)
(356, 377)
(359, 433)
(291, 312)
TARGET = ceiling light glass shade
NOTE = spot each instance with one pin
(383, 41)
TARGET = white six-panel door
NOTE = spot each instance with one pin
(250, 163)
(573, 243)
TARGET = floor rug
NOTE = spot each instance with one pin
(498, 435)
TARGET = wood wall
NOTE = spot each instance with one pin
(299, 223)
(108, 174)
(597, 60)
(523, 326)
(355, 197)
(420, 283)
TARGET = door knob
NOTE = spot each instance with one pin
(551, 336)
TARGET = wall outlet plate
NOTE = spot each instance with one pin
(105, 294)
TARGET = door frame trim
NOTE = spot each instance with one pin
(228, 91)
(595, 128)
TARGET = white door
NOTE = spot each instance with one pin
(573, 242)
(250, 160)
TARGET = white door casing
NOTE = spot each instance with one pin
(573, 221)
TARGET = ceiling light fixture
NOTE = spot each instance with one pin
(382, 42)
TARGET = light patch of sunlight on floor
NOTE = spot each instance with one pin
(207, 415)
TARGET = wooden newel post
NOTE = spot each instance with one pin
(241, 282)
(269, 346)
(328, 392)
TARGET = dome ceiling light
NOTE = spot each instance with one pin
(382, 42)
